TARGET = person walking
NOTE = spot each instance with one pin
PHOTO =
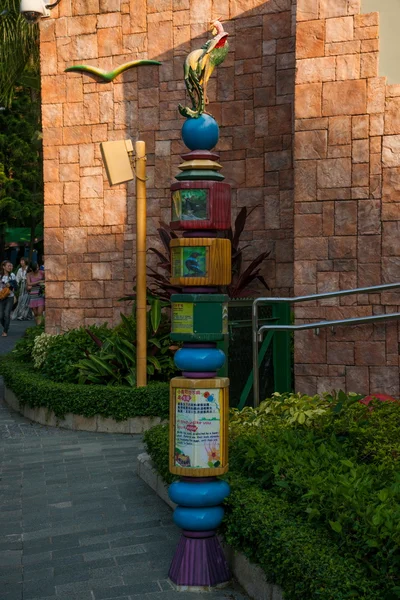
(22, 311)
(35, 285)
(7, 281)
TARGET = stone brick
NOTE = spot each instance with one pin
(308, 100)
(391, 150)
(75, 240)
(340, 29)
(360, 153)
(369, 217)
(82, 25)
(357, 380)
(370, 353)
(376, 95)
(334, 173)
(307, 10)
(315, 70)
(310, 348)
(369, 275)
(343, 48)
(56, 266)
(54, 242)
(340, 353)
(280, 120)
(339, 130)
(345, 218)
(102, 271)
(306, 181)
(52, 215)
(328, 9)
(348, 67)
(360, 127)
(91, 211)
(109, 41)
(390, 238)
(305, 272)
(342, 247)
(311, 144)
(310, 41)
(315, 248)
(308, 225)
(344, 97)
(391, 184)
(384, 380)
(276, 26)
(71, 319)
(369, 64)
(360, 175)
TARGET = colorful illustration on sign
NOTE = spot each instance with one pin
(197, 431)
(190, 261)
(190, 205)
(182, 317)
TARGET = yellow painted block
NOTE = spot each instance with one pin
(199, 410)
(200, 164)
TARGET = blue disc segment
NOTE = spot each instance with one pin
(201, 133)
(210, 493)
(199, 359)
(198, 519)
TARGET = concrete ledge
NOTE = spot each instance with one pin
(250, 576)
(45, 416)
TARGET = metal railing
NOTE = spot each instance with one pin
(258, 332)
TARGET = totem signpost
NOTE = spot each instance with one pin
(199, 400)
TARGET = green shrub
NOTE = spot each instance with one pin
(119, 403)
(24, 346)
(157, 444)
(303, 560)
(67, 349)
(338, 472)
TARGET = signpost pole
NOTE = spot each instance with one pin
(141, 299)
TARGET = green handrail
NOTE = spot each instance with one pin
(249, 383)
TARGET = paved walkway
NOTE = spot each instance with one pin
(76, 523)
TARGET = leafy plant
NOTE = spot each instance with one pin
(24, 346)
(114, 363)
(67, 349)
(242, 279)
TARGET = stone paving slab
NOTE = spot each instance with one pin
(76, 523)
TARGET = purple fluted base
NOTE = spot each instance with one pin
(199, 375)
(199, 561)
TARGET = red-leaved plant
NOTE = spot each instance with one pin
(242, 282)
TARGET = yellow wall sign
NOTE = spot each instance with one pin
(198, 426)
(182, 317)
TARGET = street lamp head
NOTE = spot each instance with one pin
(34, 10)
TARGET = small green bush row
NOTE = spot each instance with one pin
(331, 465)
(117, 402)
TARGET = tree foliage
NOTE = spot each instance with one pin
(21, 182)
(19, 52)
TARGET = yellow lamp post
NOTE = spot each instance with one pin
(141, 296)
(117, 160)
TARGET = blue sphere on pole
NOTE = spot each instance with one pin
(201, 133)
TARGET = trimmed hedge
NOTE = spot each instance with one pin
(117, 402)
(309, 561)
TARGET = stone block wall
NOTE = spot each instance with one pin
(89, 226)
(347, 202)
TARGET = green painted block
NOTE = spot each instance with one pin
(199, 317)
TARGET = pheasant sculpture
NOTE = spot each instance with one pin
(199, 66)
